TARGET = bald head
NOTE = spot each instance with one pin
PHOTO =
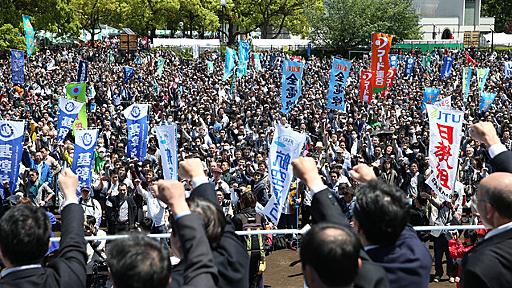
(496, 190)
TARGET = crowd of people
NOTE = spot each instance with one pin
(227, 127)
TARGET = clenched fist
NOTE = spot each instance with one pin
(68, 183)
(171, 193)
(305, 169)
(485, 133)
(191, 168)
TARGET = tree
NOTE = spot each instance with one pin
(502, 11)
(349, 23)
(10, 39)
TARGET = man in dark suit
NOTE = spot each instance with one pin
(501, 158)
(24, 237)
(489, 263)
(326, 210)
(124, 210)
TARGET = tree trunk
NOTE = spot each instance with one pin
(231, 33)
(191, 22)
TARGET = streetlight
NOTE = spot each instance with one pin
(223, 4)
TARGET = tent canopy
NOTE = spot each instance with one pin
(500, 39)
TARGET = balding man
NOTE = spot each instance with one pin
(489, 263)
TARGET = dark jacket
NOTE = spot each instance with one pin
(68, 268)
(46, 175)
(489, 263)
(116, 205)
(325, 208)
(502, 162)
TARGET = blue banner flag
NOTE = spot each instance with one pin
(68, 112)
(168, 144)
(257, 62)
(229, 65)
(128, 73)
(308, 50)
(336, 93)
(243, 56)
(137, 122)
(409, 66)
(18, 66)
(429, 97)
(446, 69)
(291, 84)
(209, 66)
(11, 150)
(486, 100)
(29, 35)
(83, 159)
(393, 61)
(466, 81)
(481, 75)
(82, 71)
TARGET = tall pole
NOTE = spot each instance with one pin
(223, 4)
(492, 40)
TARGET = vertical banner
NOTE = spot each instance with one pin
(393, 61)
(77, 91)
(481, 75)
(18, 67)
(128, 73)
(308, 50)
(336, 93)
(291, 84)
(83, 158)
(466, 81)
(409, 66)
(286, 147)
(381, 43)
(444, 147)
(390, 77)
(160, 66)
(425, 62)
(508, 69)
(82, 71)
(229, 65)
(257, 61)
(137, 122)
(195, 51)
(11, 150)
(446, 69)
(68, 112)
(365, 86)
(429, 96)
(486, 100)
(29, 35)
(243, 56)
(167, 142)
(209, 67)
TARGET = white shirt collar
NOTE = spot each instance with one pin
(499, 230)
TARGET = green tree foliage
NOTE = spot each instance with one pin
(199, 15)
(349, 23)
(502, 11)
(10, 38)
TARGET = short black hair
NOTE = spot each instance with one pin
(500, 200)
(381, 212)
(138, 261)
(333, 252)
(24, 235)
(213, 219)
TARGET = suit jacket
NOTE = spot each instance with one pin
(116, 205)
(325, 208)
(502, 162)
(68, 269)
(489, 263)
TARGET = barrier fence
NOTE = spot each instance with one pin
(279, 231)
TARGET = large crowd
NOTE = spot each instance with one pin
(229, 126)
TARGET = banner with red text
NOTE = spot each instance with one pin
(365, 86)
(381, 43)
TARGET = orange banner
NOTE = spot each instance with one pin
(365, 86)
(381, 43)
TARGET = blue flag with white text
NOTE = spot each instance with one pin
(11, 149)
(291, 84)
(168, 144)
(128, 73)
(409, 66)
(393, 61)
(243, 57)
(229, 65)
(18, 66)
(137, 123)
(430, 95)
(83, 158)
(82, 71)
(446, 69)
(486, 100)
(337, 81)
(68, 111)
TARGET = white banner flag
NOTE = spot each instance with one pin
(446, 102)
(168, 143)
(445, 137)
(286, 147)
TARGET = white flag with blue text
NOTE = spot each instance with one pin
(168, 143)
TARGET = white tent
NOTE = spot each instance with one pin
(292, 44)
(186, 42)
(500, 39)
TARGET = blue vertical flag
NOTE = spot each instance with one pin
(29, 35)
(243, 56)
(466, 81)
(11, 149)
(409, 66)
(336, 93)
(82, 71)
(229, 65)
(18, 66)
(257, 61)
(167, 141)
(68, 111)
(308, 50)
(481, 75)
(486, 100)
(128, 73)
(209, 66)
(83, 159)
(137, 122)
(429, 97)
(446, 69)
(291, 87)
(508, 69)
(393, 61)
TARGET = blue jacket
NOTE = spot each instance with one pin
(45, 176)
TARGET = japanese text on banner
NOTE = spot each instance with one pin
(11, 150)
(83, 159)
(336, 93)
(291, 87)
(167, 141)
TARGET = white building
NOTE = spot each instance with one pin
(441, 19)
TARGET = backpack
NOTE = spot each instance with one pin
(254, 243)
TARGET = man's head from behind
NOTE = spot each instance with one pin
(24, 235)
(380, 213)
(494, 199)
(138, 261)
(330, 256)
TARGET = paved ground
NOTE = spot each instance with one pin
(284, 271)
